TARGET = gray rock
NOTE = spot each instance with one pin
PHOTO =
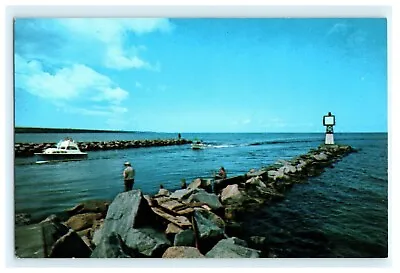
(163, 192)
(209, 227)
(129, 216)
(200, 183)
(321, 157)
(185, 238)
(278, 174)
(288, 169)
(111, 246)
(232, 194)
(51, 218)
(195, 184)
(52, 231)
(210, 199)
(70, 246)
(147, 241)
(128, 210)
(181, 194)
(228, 248)
(255, 173)
(256, 181)
(237, 241)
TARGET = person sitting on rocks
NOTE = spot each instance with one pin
(221, 173)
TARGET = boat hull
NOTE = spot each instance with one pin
(197, 146)
(60, 157)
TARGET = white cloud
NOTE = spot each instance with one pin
(117, 59)
(71, 86)
(109, 29)
(76, 81)
(113, 95)
(112, 32)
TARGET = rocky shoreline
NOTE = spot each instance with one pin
(28, 149)
(199, 221)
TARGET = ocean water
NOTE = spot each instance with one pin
(341, 213)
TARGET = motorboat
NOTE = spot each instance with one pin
(197, 145)
(66, 149)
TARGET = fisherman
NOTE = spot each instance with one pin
(221, 173)
(129, 176)
(179, 135)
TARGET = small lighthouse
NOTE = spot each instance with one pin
(329, 122)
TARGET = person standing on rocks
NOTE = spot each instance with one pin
(129, 176)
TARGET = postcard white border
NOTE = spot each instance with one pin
(165, 9)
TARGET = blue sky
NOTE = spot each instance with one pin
(201, 75)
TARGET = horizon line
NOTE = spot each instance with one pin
(181, 132)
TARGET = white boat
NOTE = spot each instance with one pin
(66, 149)
(197, 145)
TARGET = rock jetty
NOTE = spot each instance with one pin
(28, 149)
(195, 222)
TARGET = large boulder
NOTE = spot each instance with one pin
(128, 210)
(130, 216)
(232, 195)
(182, 252)
(209, 199)
(230, 248)
(185, 238)
(111, 246)
(209, 227)
(83, 221)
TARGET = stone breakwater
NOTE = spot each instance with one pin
(199, 221)
(28, 149)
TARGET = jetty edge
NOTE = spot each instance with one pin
(195, 222)
(29, 149)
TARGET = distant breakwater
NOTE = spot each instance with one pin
(29, 149)
(201, 220)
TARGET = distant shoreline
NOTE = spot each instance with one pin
(27, 130)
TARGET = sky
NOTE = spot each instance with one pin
(201, 75)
